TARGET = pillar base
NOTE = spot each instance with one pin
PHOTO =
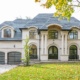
(64, 57)
(5, 61)
(44, 57)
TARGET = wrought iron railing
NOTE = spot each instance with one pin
(53, 56)
(73, 57)
(33, 56)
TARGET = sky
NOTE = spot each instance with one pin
(12, 9)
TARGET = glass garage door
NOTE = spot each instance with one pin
(14, 58)
(2, 58)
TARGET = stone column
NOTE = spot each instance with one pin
(62, 44)
(38, 54)
(42, 43)
(45, 43)
(44, 55)
(65, 44)
(5, 58)
(64, 56)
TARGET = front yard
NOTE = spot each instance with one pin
(55, 71)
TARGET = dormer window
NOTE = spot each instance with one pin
(32, 34)
(73, 35)
(7, 33)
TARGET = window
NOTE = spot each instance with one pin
(53, 52)
(53, 34)
(73, 35)
(7, 32)
(32, 34)
(33, 53)
(73, 52)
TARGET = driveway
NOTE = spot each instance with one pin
(4, 68)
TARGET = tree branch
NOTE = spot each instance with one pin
(75, 5)
(78, 1)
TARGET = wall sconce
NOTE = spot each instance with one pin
(14, 46)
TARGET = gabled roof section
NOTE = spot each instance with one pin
(39, 20)
(43, 20)
(16, 24)
(17, 37)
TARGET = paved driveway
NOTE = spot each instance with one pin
(4, 68)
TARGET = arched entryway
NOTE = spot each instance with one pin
(53, 52)
(33, 52)
(73, 52)
(14, 58)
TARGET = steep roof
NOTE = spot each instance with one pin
(16, 24)
(43, 20)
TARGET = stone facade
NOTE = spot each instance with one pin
(47, 48)
(43, 44)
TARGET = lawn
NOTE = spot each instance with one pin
(55, 71)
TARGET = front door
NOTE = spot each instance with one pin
(33, 52)
(73, 52)
(53, 52)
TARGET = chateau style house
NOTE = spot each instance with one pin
(49, 38)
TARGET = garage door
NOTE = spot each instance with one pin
(14, 58)
(2, 58)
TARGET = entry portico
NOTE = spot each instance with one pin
(54, 37)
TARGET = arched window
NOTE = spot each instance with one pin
(53, 34)
(73, 35)
(73, 52)
(53, 52)
(33, 52)
(32, 34)
(7, 33)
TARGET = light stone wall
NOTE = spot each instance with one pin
(63, 52)
(25, 34)
(43, 43)
(8, 46)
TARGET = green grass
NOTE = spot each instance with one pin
(56, 71)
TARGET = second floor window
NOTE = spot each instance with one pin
(53, 34)
(73, 35)
(7, 33)
(32, 34)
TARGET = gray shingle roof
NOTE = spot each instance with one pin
(16, 24)
(43, 20)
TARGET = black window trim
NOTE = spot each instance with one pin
(53, 32)
(74, 33)
(7, 35)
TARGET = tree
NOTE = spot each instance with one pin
(64, 8)
(26, 60)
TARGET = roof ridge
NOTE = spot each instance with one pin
(27, 23)
(46, 22)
